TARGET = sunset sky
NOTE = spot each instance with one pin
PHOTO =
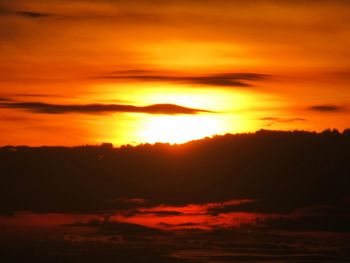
(130, 72)
(250, 100)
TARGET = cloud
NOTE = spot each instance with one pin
(4, 99)
(37, 95)
(74, 13)
(313, 219)
(221, 79)
(100, 108)
(31, 14)
(274, 120)
(326, 108)
(190, 216)
(188, 209)
(281, 119)
(25, 14)
(110, 227)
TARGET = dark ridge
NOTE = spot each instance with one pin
(283, 171)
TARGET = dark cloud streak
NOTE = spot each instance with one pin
(326, 108)
(31, 14)
(25, 14)
(274, 120)
(221, 79)
(281, 119)
(100, 108)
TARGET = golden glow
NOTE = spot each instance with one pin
(197, 55)
(231, 111)
(217, 100)
(175, 42)
(226, 108)
(180, 129)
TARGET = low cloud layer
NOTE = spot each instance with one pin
(100, 108)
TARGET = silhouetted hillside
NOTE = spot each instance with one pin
(283, 170)
(269, 181)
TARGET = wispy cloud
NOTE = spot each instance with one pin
(274, 120)
(25, 14)
(69, 12)
(221, 79)
(326, 108)
(4, 99)
(282, 119)
(190, 216)
(100, 108)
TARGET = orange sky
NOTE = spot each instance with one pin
(228, 66)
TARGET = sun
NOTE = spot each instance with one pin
(180, 129)
(227, 113)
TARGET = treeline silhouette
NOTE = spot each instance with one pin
(281, 170)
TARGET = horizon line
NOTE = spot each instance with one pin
(345, 131)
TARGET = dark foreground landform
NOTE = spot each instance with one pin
(265, 197)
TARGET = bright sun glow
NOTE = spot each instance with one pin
(180, 129)
(230, 112)
(183, 128)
